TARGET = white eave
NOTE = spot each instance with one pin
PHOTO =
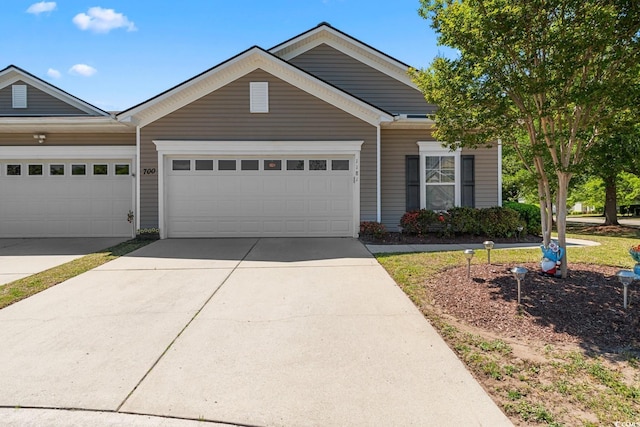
(63, 124)
(13, 74)
(403, 122)
(325, 34)
(243, 64)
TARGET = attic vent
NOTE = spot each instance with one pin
(19, 96)
(259, 98)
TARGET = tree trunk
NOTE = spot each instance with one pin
(561, 217)
(610, 203)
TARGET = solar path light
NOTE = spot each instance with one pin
(519, 273)
(626, 277)
(468, 254)
(488, 245)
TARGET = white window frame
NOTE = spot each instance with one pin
(435, 149)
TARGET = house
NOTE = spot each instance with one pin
(307, 138)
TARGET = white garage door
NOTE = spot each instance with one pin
(65, 198)
(258, 196)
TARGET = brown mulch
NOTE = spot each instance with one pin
(586, 308)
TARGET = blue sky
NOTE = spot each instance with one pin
(115, 54)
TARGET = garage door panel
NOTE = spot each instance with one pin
(65, 206)
(259, 203)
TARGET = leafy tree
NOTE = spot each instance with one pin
(541, 75)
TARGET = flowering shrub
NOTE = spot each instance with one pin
(372, 228)
(418, 222)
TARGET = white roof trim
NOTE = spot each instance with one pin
(243, 64)
(15, 124)
(43, 152)
(13, 74)
(348, 46)
(256, 148)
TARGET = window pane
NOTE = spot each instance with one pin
(340, 165)
(249, 165)
(13, 170)
(35, 169)
(447, 162)
(295, 165)
(181, 165)
(226, 165)
(317, 165)
(440, 197)
(432, 163)
(122, 169)
(273, 165)
(448, 176)
(78, 169)
(100, 169)
(56, 170)
(204, 165)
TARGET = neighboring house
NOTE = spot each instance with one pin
(305, 139)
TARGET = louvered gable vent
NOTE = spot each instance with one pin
(259, 97)
(19, 96)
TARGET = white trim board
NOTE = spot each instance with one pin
(68, 152)
(435, 148)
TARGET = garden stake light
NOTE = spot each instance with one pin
(626, 277)
(488, 245)
(519, 273)
(468, 254)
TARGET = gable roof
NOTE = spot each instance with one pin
(238, 66)
(12, 74)
(324, 33)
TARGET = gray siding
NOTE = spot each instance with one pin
(398, 143)
(362, 81)
(39, 103)
(22, 139)
(294, 115)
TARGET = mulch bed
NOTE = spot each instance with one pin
(586, 308)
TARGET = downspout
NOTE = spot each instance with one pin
(378, 176)
(499, 172)
(138, 174)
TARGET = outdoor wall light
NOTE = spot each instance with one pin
(40, 137)
(468, 254)
(488, 245)
(519, 273)
(626, 277)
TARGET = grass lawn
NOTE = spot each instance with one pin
(536, 383)
(23, 288)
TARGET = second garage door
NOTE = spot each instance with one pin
(258, 196)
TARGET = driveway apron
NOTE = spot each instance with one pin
(239, 331)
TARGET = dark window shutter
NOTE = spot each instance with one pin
(468, 181)
(412, 174)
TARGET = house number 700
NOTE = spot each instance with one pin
(151, 171)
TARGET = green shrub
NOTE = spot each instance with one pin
(530, 214)
(498, 222)
(372, 228)
(418, 222)
(463, 220)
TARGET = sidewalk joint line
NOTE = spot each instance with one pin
(185, 327)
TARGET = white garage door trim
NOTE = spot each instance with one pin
(64, 154)
(255, 148)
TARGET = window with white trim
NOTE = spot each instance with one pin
(439, 176)
(259, 97)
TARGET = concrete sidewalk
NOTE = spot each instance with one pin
(270, 332)
(23, 257)
(376, 249)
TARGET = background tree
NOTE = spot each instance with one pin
(553, 70)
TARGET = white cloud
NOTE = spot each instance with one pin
(53, 73)
(43, 6)
(101, 20)
(82, 70)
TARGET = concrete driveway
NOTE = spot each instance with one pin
(23, 257)
(277, 332)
